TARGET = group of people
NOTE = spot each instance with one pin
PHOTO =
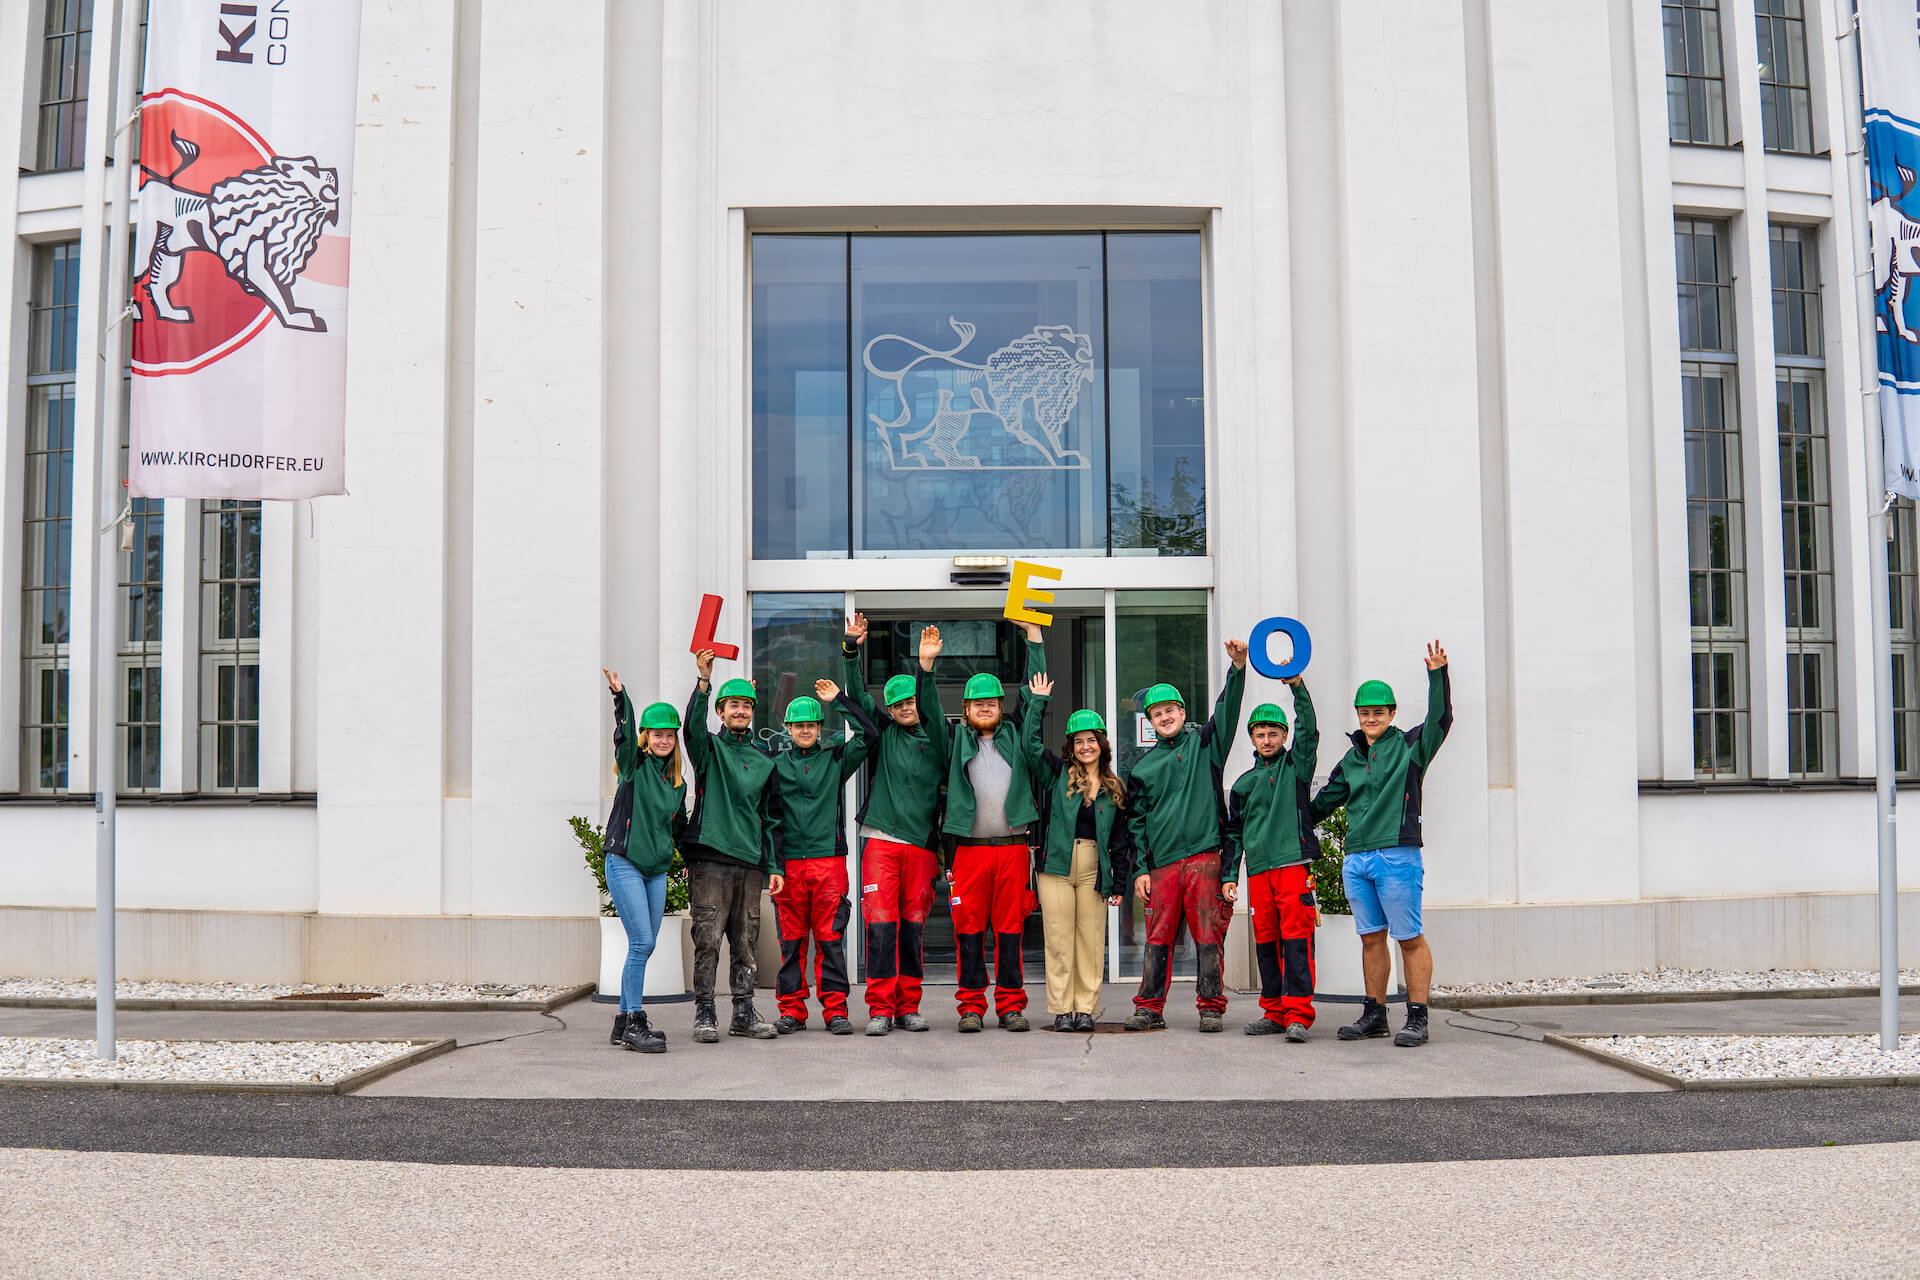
(1025, 827)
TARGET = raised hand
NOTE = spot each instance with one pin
(1237, 650)
(1041, 685)
(613, 679)
(1032, 629)
(1436, 656)
(930, 646)
(857, 628)
(703, 660)
(825, 690)
(1295, 681)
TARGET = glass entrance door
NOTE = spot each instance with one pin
(975, 642)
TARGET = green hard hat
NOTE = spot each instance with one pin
(659, 715)
(1375, 693)
(1266, 713)
(804, 711)
(1083, 720)
(1161, 693)
(736, 688)
(898, 689)
(983, 685)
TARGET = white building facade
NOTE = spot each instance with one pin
(1528, 327)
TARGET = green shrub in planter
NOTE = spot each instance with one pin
(593, 841)
(1327, 883)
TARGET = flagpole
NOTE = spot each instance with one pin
(107, 547)
(1879, 529)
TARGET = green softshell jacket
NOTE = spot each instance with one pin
(1380, 784)
(649, 812)
(1111, 834)
(909, 764)
(736, 792)
(1174, 795)
(1269, 807)
(1020, 746)
(813, 788)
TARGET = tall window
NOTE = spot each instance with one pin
(1696, 82)
(1786, 96)
(64, 51)
(990, 392)
(1903, 598)
(1716, 513)
(1806, 503)
(53, 325)
(230, 645)
(139, 692)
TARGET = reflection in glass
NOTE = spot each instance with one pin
(799, 396)
(1157, 392)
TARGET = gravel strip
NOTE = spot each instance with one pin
(59, 989)
(209, 1061)
(1765, 1057)
(1681, 980)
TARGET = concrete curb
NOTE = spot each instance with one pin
(1684, 1085)
(1654, 997)
(321, 1006)
(424, 1049)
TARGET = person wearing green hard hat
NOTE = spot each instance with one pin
(991, 807)
(1173, 804)
(1084, 864)
(1379, 783)
(896, 828)
(729, 849)
(1267, 823)
(810, 850)
(649, 812)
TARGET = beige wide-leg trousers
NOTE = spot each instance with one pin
(1073, 916)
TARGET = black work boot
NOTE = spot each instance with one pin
(1414, 1033)
(1063, 1022)
(642, 1038)
(788, 1024)
(706, 1026)
(619, 1029)
(1263, 1027)
(748, 1022)
(1211, 1021)
(839, 1025)
(1370, 1025)
(1015, 1021)
(1145, 1020)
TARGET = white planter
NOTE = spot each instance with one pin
(666, 968)
(1336, 960)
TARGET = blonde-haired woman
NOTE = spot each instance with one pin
(649, 811)
(1086, 858)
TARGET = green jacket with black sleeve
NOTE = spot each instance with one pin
(1380, 783)
(1269, 806)
(908, 764)
(649, 810)
(1111, 834)
(813, 788)
(1020, 746)
(736, 794)
(1174, 797)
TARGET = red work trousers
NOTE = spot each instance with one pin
(1186, 890)
(896, 895)
(1280, 902)
(813, 903)
(991, 893)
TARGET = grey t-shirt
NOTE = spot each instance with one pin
(990, 776)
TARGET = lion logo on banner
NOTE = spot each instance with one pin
(1028, 390)
(263, 224)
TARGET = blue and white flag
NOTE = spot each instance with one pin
(1890, 81)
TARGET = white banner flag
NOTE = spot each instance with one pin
(1890, 73)
(246, 179)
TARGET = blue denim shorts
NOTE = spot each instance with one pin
(1384, 887)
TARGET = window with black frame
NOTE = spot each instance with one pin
(934, 394)
(1696, 74)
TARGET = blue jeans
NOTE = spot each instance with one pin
(1383, 886)
(641, 902)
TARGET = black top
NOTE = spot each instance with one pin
(1083, 828)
